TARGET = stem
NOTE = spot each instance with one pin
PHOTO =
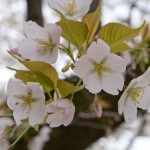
(19, 137)
(57, 94)
(67, 51)
(50, 96)
(6, 115)
(78, 84)
(124, 87)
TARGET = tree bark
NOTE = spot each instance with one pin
(94, 5)
(34, 11)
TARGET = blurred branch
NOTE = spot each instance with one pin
(34, 11)
(105, 114)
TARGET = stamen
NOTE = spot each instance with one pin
(62, 110)
(27, 98)
(136, 94)
(45, 46)
(70, 7)
(101, 68)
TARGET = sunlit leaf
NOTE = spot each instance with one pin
(34, 76)
(73, 31)
(42, 67)
(92, 20)
(115, 33)
(120, 48)
(66, 88)
(36, 128)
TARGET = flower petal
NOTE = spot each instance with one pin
(93, 82)
(69, 114)
(59, 5)
(82, 7)
(51, 108)
(20, 114)
(36, 90)
(54, 31)
(34, 31)
(144, 103)
(98, 50)
(112, 82)
(130, 111)
(83, 66)
(37, 113)
(115, 63)
(54, 119)
(16, 87)
(28, 49)
(50, 57)
(64, 103)
(13, 101)
(144, 79)
(121, 102)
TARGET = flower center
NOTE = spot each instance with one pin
(70, 7)
(45, 46)
(28, 99)
(101, 68)
(136, 94)
(62, 110)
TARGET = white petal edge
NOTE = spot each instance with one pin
(98, 50)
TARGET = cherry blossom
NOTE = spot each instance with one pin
(101, 69)
(41, 43)
(60, 112)
(26, 101)
(72, 9)
(137, 94)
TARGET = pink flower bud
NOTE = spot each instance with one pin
(97, 106)
(15, 51)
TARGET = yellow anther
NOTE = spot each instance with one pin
(101, 68)
(136, 94)
(45, 46)
(70, 7)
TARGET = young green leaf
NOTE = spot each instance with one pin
(73, 31)
(66, 88)
(34, 76)
(120, 48)
(42, 67)
(115, 33)
(92, 20)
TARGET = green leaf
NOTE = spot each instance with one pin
(73, 31)
(34, 76)
(115, 33)
(66, 88)
(92, 20)
(120, 48)
(42, 67)
(36, 128)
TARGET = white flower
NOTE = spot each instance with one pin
(137, 94)
(60, 112)
(41, 44)
(72, 9)
(101, 69)
(26, 101)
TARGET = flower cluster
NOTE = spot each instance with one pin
(37, 96)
